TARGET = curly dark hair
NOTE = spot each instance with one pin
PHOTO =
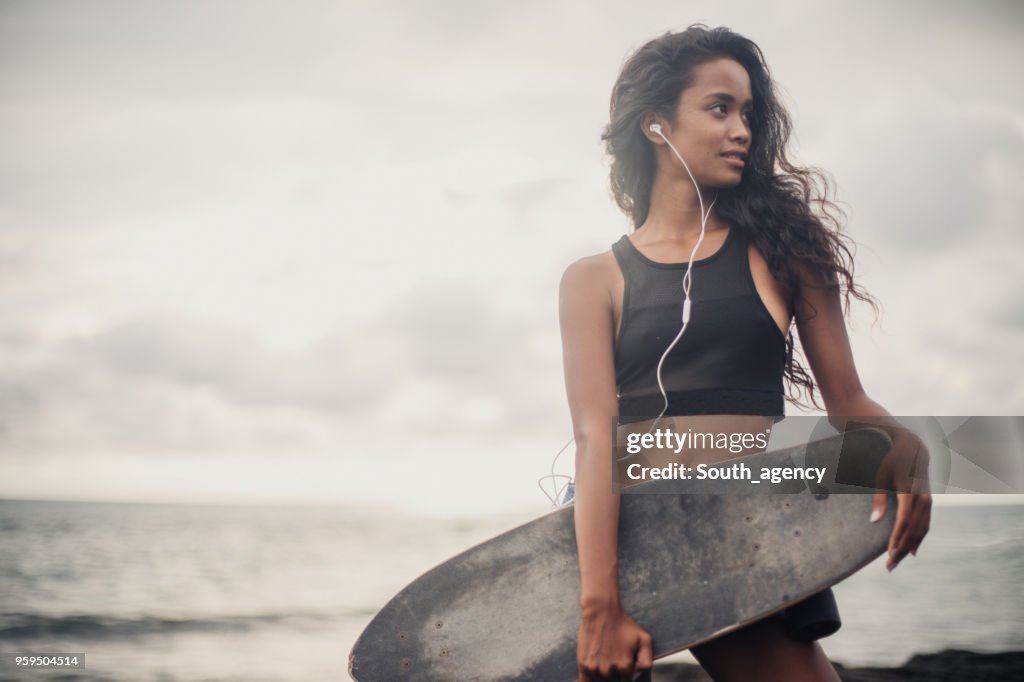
(777, 205)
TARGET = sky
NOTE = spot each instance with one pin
(310, 252)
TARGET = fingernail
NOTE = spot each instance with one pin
(875, 515)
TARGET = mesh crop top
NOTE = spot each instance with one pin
(730, 360)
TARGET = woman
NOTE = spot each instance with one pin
(698, 140)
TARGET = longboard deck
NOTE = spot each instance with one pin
(691, 567)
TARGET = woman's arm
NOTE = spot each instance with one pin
(826, 344)
(610, 642)
(585, 318)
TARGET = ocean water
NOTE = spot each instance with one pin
(171, 593)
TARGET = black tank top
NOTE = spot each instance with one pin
(730, 360)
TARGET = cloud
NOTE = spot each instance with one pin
(1009, 315)
(524, 199)
(443, 359)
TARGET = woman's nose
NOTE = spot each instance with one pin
(740, 131)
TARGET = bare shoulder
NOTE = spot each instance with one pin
(758, 264)
(590, 277)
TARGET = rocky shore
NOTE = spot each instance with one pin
(948, 665)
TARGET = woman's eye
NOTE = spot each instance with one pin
(747, 115)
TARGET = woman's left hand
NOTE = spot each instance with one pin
(905, 470)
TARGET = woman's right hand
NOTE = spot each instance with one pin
(611, 646)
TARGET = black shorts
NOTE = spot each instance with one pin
(813, 618)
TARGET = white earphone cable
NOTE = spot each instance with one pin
(569, 487)
(688, 277)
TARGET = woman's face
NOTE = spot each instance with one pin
(712, 129)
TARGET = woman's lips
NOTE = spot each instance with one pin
(734, 161)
